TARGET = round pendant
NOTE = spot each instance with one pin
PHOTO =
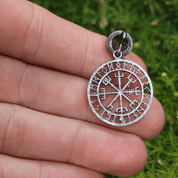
(120, 92)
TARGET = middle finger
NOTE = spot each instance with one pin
(62, 94)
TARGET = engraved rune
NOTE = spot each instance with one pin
(111, 67)
(135, 115)
(93, 94)
(106, 80)
(93, 87)
(93, 102)
(138, 72)
(101, 115)
(119, 76)
(125, 64)
(121, 110)
(145, 104)
(146, 97)
(110, 104)
(96, 79)
(140, 109)
(103, 97)
(133, 103)
(133, 91)
(122, 119)
(97, 108)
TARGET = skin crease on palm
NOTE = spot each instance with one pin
(46, 126)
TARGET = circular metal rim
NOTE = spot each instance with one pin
(114, 124)
(111, 37)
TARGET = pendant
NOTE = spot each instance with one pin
(120, 91)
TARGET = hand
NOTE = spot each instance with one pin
(46, 126)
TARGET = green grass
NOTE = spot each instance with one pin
(153, 24)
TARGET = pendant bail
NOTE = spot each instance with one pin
(117, 55)
(125, 36)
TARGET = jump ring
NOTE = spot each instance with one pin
(111, 37)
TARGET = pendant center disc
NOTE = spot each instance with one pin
(120, 92)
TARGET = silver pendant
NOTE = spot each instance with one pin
(120, 92)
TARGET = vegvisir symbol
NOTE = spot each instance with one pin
(120, 96)
(134, 91)
(120, 92)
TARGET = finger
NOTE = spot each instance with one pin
(42, 38)
(30, 134)
(42, 89)
(151, 124)
(11, 167)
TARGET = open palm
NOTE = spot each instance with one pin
(47, 128)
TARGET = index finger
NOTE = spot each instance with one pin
(34, 35)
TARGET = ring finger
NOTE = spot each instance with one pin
(43, 89)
